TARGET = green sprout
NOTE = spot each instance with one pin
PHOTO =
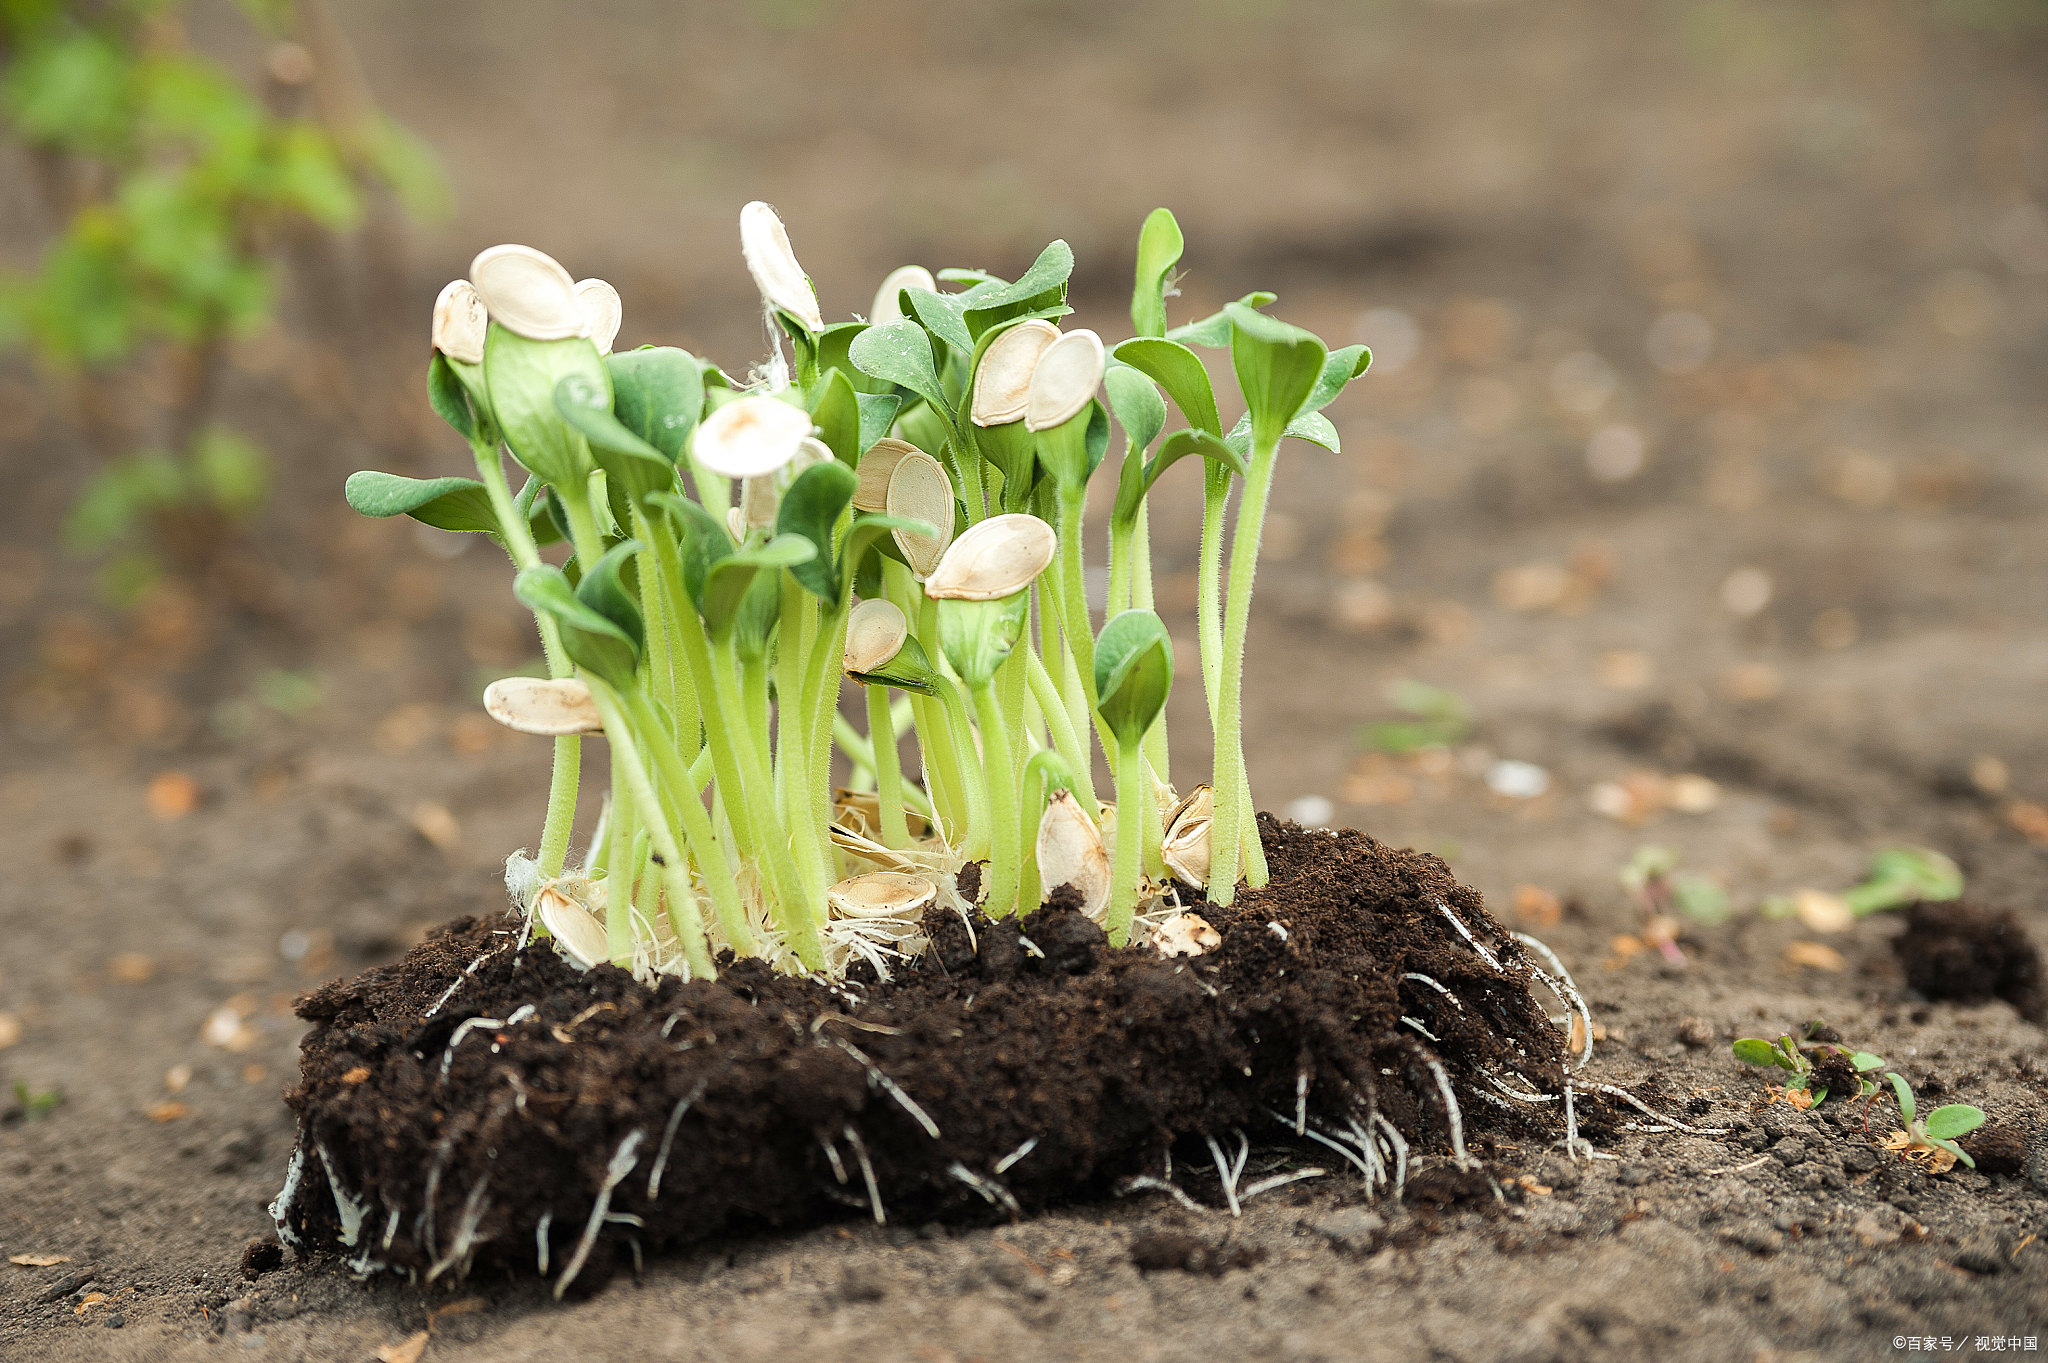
(899, 503)
(1899, 876)
(36, 1105)
(1442, 719)
(1939, 1129)
(1799, 1063)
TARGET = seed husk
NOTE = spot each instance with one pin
(528, 293)
(888, 301)
(875, 631)
(1064, 381)
(764, 243)
(576, 930)
(461, 322)
(761, 498)
(1186, 846)
(602, 312)
(750, 437)
(550, 707)
(882, 894)
(1185, 934)
(871, 492)
(1070, 852)
(1002, 385)
(995, 558)
(920, 490)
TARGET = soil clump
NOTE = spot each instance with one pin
(1959, 952)
(482, 1101)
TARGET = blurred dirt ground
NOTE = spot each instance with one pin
(1708, 438)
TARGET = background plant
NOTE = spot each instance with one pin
(172, 189)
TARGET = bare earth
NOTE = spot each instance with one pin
(1841, 191)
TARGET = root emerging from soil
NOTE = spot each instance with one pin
(1363, 1005)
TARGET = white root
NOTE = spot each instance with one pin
(1565, 989)
(469, 1025)
(521, 1014)
(1003, 1164)
(1451, 1112)
(1371, 1174)
(1229, 1170)
(391, 1224)
(838, 1165)
(540, 1238)
(465, 1230)
(1417, 1025)
(1456, 1002)
(1139, 1183)
(468, 970)
(1639, 1106)
(1466, 933)
(350, 1208)
(615, 1173)
(1267, 1185)
(1399, 1148)
(889, 1086)
(1300, 1102)
(867, 1173)
(992, 1192)
(426, 1237)
(668, 1138)
(281, 1205)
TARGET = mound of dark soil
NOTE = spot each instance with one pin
(1958, 952)
(480, 1101)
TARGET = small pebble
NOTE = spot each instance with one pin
(1311, 811)
(1517, 780)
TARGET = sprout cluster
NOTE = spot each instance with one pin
(899, 501)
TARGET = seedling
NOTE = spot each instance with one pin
(1442, 719)
(36, 1105)
(1899, 876)
(1933, 1139)
(1799, 1063)
(889, 505)
(1661, 891)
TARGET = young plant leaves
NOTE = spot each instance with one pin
(603, 591)
(899, 353)
(1905, 1092)
(1752, 1051)
(449, 399)
(1133, 673)
(810, 511)
(942, 314)
(1213, 331)
(727, 582)
(877, 415)
(521, 376)
(1135, 400)
(589, 637)
(1180, 372)
(1956, 1119)
(658, 394)
(444, 503)
(632, 467)
(1159, 248)
(1277, 366)
(836, 411)
(1039, 291)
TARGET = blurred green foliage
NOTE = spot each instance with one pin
(171, 181)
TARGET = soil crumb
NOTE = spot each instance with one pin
(1160, 1251)
(1957, 952)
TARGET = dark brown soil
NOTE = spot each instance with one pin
(486, 1102)
(1963, 953)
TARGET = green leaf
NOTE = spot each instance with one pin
(1700, 899)
(1864, 1060)
(810, 511)
(726, 585)
(877, 415)
(538, 508)
(1180, 372)
(657, 394)
(521, 376)
(835, 408)
(590, 638)
(1213, 331)
(449, 399)
(632, 467)
(1039, 289)
(445, 503)
(602, 590)
(1315, 428)
(1135, 400)
(703, 538)
(1953, 1120)
(1159, 248)
(1133, 673)
(833, 345)
(1340, 367)
(1905, 1093)
(900, 353)
(1900, 876)
(231, 472)
(1955, 1150)
(942, 314)
(1175, 448)
(1754, 1051)
(1277, 367)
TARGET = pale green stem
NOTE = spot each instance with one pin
(888, 774)
(1074, 618)
(1233, 828)
(618, 872)
(686, 806)
(1133, 794)
(1142, 599)
(748, 696)
(1002, 803)
(970, 771)
(1064, 740)
(675, 870)
(583, 531)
